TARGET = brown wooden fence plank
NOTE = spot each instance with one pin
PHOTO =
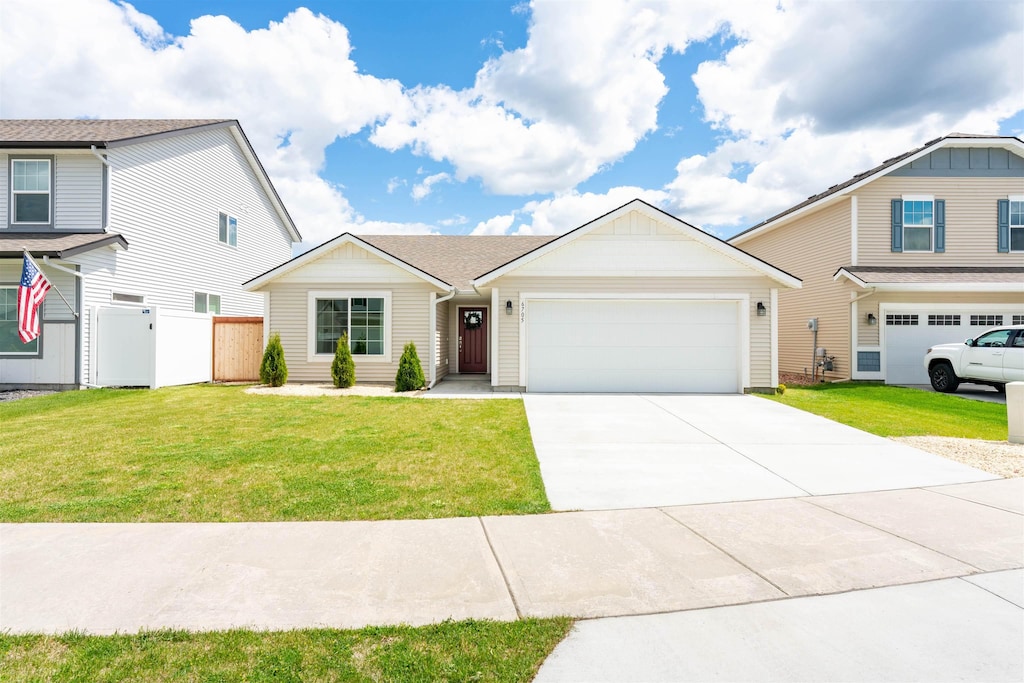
(237, 348)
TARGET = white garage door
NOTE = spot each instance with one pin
(909, 332)
(624, 346)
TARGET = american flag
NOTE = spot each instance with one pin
(31, 293)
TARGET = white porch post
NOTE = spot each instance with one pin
(495, 315)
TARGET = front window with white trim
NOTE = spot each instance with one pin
(206, 303)
(10, 342)
(361, 317)
(30, 191)
(1017, 223)
(918, 223)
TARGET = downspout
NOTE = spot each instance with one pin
(433, 366)
(95, 153)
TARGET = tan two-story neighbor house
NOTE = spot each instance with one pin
(926, 248)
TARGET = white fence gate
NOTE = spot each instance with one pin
(152, 347)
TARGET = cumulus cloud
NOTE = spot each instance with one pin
(293, 85)
(422, 189)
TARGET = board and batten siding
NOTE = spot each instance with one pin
(758, 288)
(77, 197)
(349, 268)
(56, 366)
(812, 248)
(971, 221)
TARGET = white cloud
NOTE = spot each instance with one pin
(457, 219)
(394, 184)
(499, 225)
(293, 81)
(421, 190)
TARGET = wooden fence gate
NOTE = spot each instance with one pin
(237, 349)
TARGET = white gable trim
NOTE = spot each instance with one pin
(1008, 144)
(999, 287)
(346, 238)
(703, 238)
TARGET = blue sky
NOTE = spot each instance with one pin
(533, 117)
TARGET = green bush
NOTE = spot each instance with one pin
(781, 389)
(410, 372)
(273, 370)
(343, 369)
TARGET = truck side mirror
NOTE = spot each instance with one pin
(969, 342)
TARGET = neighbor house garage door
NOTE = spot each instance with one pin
(625, 346)
(910, 331)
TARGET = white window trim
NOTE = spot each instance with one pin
(312, 356)
(207, 295)
(121, 302)
(48, 193)
(1010, 226)
(38, 352)
(227, 236)
(918, 198)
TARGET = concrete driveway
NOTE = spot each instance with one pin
(612, 451)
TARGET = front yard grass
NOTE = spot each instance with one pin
(898, 411)
(452, 651)
(217, 454)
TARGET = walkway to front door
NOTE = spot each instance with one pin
(472, 339)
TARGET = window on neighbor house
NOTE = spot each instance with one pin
(1017, 224)
(361, 317)
(207, 303)
(918, 223)
(30, 191)
(227, 231)
(10, 342)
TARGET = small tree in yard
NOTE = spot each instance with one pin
(273, 370)
(343, 369)
(410, 372)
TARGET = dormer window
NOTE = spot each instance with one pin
(30, 191)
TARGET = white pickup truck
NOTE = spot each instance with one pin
(995, 358)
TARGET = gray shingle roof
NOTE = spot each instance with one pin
(937, 274)
(71, 132)
(56, 245)
(456, 259)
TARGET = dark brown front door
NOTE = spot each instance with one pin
(472, 340)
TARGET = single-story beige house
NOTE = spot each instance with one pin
(633, 301)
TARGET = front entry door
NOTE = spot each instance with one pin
(472, 340)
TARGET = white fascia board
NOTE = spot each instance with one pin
(268, 189)
(1005, 143)
(695, 233)
(1011, 287)
(346, 238)
(843, 272)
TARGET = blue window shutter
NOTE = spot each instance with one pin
(940, 226)
(1003, 241)
(897, 225)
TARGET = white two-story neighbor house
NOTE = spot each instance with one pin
(926, 248)
(145, 228)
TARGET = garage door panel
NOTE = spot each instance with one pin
(612, 345)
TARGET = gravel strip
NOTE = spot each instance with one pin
(1001, 458)
(15, 395)
(330, 390)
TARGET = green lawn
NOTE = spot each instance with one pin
(897, 411)
(217, 454)
(463, 651)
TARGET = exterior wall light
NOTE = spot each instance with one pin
(761, 310)
(508, 307)
(872, 320)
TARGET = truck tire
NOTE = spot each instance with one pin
(943, 378)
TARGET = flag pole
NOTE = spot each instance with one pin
(52, 286)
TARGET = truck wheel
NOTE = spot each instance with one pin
(943, 378)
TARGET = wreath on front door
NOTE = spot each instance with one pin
(472, 319)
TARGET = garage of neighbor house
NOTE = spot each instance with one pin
(636, 300)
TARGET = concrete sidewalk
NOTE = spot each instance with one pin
(102, 578)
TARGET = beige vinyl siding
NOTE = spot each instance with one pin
(409, 321)
(758, 289)
(970, 221)
(868, 334)
(812, 248)
(442, 338)
(78, 192)
(5, 191)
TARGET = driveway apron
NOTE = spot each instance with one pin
(611, 451)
